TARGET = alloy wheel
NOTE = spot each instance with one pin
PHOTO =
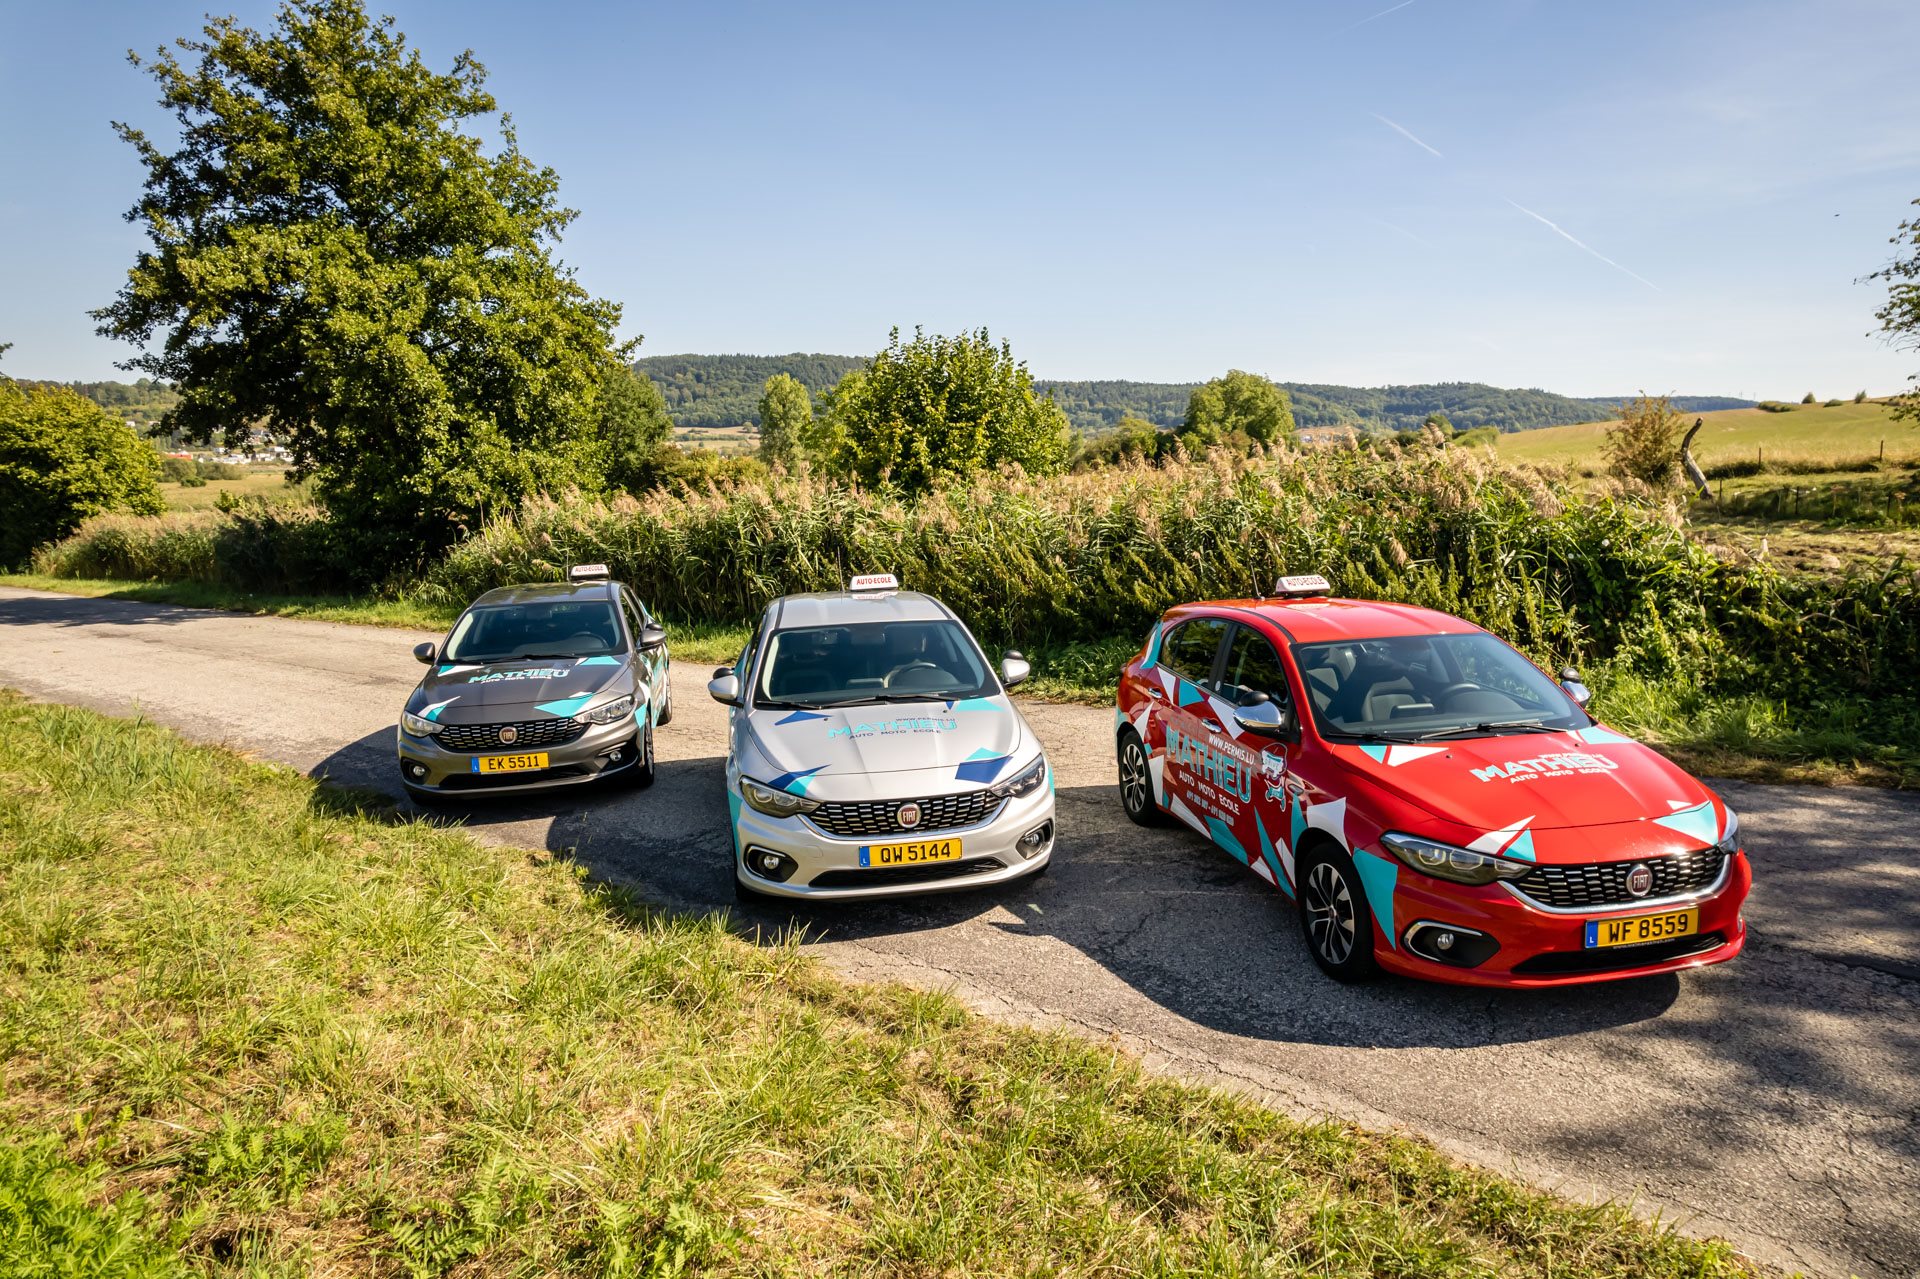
(1330, 913)
(1135, 786)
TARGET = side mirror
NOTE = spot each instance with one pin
(721, 672)
(424, 654)
(1264, 716)
(652, 636)
(1014, 668)
(1579, 692)
(724, 689)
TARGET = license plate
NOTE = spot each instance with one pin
(1638, 930)
(509, 763)
(914, 854)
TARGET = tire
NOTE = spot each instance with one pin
(1335, 918)
(1136, 782)
(666, 706)
(641, 774)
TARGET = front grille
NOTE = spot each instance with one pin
(876, 817)
(529, 734)
(1602, 885)
(904, 874)
(1613, 958)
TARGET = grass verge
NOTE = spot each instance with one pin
(249, 1025)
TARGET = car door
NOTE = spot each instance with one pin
(1250, 667)
(1188, 721)
(648, 668)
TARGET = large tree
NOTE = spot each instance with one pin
(938, 408)
(786, 419)
(335, 257)
(1240, 407)
(62, 459)
(633, 425)
(1900, 317)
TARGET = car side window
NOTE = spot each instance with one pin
(635, 620)
(1188, 651)
(1253, 667)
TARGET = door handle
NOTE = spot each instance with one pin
(1156, 693)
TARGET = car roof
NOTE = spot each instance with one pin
(842, 608)
(599, 589)
(1322, 619)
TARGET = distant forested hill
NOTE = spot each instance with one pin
(724, 391)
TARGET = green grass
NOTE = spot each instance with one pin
(262, 482)
(251, 1026)
(408, 613)
(1846, 433)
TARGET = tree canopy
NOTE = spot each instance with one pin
(786, 419)
(937, 408)
(633, 424)
(1900, 317)
(333, 256)
(1238, 406)
(62, 459)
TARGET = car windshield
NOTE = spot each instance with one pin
(540, 629)
(872, 662)
(1429, 687)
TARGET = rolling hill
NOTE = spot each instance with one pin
(708, 391)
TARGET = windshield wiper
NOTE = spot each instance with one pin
(889, 698)
(1370, 736)
(1492, 728)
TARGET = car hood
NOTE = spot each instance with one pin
(1554, 785)
(956, 745)
(470, 693)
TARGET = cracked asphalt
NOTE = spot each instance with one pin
(1774, 1101)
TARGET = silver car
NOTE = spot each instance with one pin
(538, 686)
(873, 751)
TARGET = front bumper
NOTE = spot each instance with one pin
(429, 769)
(1540, 948)
(828, 866)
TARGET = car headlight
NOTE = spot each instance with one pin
(1444, 861)
(1730, 842)
(1026, 783)
(775, 803)
(617, 709)
(417, 726)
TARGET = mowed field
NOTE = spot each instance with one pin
(269, 482)
(1846, 431)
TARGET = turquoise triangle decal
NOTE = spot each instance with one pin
(1600, 736)
(1378, 752)
(565, 706)
(1521, 847)
(1273, 858)
(1189, 695)
(1378, 876)
(1699, 822)
(1223, 835)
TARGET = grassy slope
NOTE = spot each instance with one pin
(267, 482)
(1845, 431)
(247, 1026)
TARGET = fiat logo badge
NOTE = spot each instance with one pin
(908, 815)
(509, 735)
(1640, 880)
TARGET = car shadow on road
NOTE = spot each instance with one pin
(66, 610)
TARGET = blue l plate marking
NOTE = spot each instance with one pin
(1593, 933)
(863, 853)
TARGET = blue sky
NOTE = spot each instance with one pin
(1331, 191)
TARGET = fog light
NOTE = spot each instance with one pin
(1449, 944)
(417, 771)
(616, 756)
(768, 864)
(1036, 839)
(1444, 941)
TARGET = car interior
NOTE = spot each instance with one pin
(1367, 684)
(828, 662)
(559, 628)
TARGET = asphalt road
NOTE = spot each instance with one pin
(1774, 1101)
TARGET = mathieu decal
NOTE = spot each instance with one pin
(1568, 764)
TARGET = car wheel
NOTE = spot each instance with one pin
(666, 706)
(1334, 915)
(641, 775)
(1136, 782)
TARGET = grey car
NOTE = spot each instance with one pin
(539, 686)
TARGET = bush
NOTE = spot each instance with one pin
(1644, 445)
(63, 459)
(1859, 397)
(178, 470)
(1774, 406)
(1835, 403)
(220, 471)
(1809, 398)
(254, 545)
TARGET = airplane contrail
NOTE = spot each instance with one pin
(1364, 21)
(1558, 230)
(1403, 132)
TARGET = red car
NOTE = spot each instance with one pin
(1434, 803)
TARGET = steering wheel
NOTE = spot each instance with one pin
(898, 671)
(1466, 686)
(589, 636)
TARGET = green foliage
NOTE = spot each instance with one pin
(180, 470)
(1439, 421)
(633, 426)
(63, 459)
(1480, 437)
(1809, 398)
(1238, 408)
(53, 1224)
(1131, 440)
(1774, 406)
(1860, 397)
(1900, 316)
(1644, 445)
(251, 544)
(334, 256)
(786, 419)
(937, 409)
(725, 390)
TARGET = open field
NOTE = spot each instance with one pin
(267, 482)
(256, 1026)
(1806, 432)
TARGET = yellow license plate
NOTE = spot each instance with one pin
(1638, 930)
(915, 854)
(509, 763)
